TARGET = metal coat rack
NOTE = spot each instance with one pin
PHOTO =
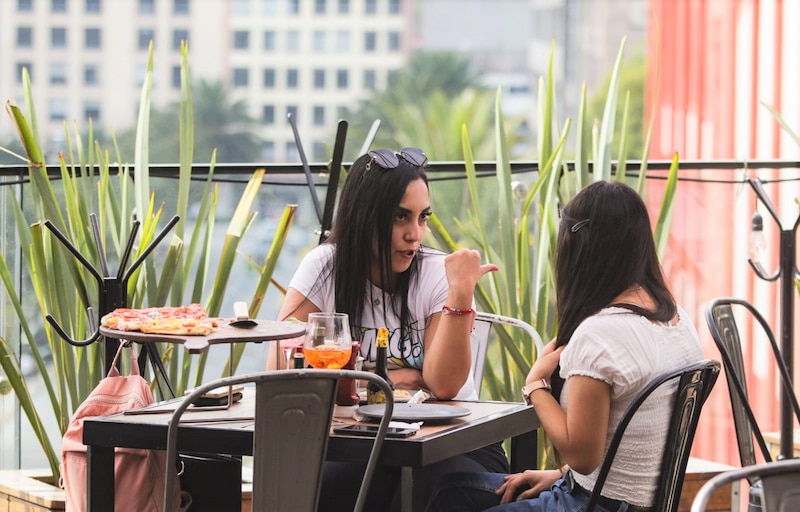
(112, 294)
(787, 273)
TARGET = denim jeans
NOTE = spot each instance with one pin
(467, 492)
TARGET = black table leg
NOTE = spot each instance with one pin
(523, 451)
(99, 478)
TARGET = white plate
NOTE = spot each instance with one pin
(415, 412)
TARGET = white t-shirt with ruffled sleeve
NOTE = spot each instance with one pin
(627, 351)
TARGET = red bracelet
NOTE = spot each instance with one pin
(447, 310)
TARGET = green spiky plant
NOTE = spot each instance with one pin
(65, 289)
(523, 244)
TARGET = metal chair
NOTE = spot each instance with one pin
(480, 340)
(695, 382)
(293, 412)
(780, 484)
(721, 321)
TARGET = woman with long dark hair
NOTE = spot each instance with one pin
(618, 328)
(375, 268)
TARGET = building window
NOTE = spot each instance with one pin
(319, 41)
(91, 109)
(394, 6)
(58, 73)
(369, 79)
(240, 77)
(181, 7)
(58, 109)
(241, 39)
(319, 79)
(291, 110)
(343, 41)
(147, 6)
(270, 6)
(344, 6)
(92, 5)
(20, 67)
(319, 116)
(293, 7)
(24, 37)
(291, 78)
(92, 38)
(241, 7)
(292, 41)
(176, 77)
(342, 78)
(179, 36)
(319, 6)
(268, 114)
(24, 5)
(145, 36)
(269, 40)
(58, 37)
(268, 151)
(369, 41)
(91, 75)
(371, 6)
(319, 150)
(59, 6)
(292, 155)
(394, 41)
(269, 78)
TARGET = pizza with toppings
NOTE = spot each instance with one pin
(182, 320)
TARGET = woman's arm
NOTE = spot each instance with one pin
(447, 336)
(578, 435)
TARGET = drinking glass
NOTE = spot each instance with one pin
(327, 341)
(288, 347)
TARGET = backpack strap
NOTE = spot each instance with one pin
(114, 371)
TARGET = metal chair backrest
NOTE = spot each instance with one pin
(780, 483)
(695, 382)
(480, 339)
(293, 413)
(722, 325)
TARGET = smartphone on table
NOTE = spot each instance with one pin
(371, 430)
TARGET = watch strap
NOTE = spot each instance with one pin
(533, 386)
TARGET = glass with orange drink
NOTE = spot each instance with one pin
(328, 343)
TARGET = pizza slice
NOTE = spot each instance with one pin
(181, 326)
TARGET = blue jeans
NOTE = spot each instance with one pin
(467, 492)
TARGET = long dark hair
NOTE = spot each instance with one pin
(605, 246)
(363, 227)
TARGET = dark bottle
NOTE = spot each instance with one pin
(299, 358)
(346, 393)
(375, 394)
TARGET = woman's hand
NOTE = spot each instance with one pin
(526, 485)
(463, 269)
(545, 363)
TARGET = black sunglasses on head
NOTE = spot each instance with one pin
(389, 159)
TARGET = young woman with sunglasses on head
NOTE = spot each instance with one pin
(375, 268)
(618, 329)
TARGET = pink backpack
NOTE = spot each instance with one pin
(138, 474)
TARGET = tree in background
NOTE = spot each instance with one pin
(220, 123)
(427, 104)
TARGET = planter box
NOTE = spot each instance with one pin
(32, 490)
(29, 491)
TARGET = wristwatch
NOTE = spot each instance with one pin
(533, 386)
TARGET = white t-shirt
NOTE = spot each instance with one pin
(627, 351)
(426, 297)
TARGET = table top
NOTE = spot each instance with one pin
(264, 330)
(232, 432)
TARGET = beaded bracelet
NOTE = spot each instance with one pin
(447, 310)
